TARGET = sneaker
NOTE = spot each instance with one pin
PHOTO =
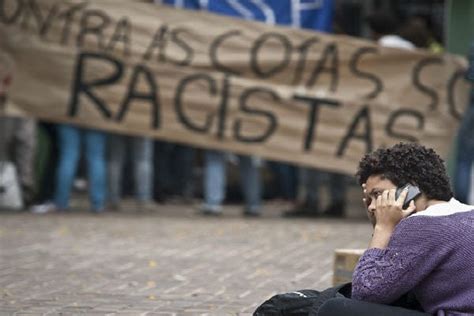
(146, 206)
(251, 213)
(211, 210)
(98, 210)
(44, 208)
(114, 207)
(304, 210)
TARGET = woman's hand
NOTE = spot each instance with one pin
(386, 214)
(388, 210)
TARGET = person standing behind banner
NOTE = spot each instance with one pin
(176, 161)
(46, 161)
(72, 141)
(215, 171)
(215, 176)
(419, 29)
(19, 139)
(141, 153)
(174, 171)
(312, 179)
(18, 136)
(384, 27)
(464, 182)
(316, 15)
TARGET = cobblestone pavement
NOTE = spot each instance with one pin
(168, 262)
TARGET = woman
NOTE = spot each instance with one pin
(426, 249)
(421, 256)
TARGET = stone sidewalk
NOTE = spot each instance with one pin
(168, 262)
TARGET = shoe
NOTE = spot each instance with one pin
(336, 209)
(44, 208)
(305, 210)
(98, 210)
(114, 207)
(252, 212)
(211, 210)
(146, 206)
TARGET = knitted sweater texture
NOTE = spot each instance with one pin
(433, 256)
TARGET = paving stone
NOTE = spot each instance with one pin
(168, 262)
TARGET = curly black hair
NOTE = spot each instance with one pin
(408, 163)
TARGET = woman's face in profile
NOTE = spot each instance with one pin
(374, 186)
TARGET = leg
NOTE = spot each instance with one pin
(337, 192)
(160, 167)
(313, 184)
(348, 307)
(7, 131)
(25, 150)
(69, 145)
(288, 180)
(309, 181)
(285, 179)
(163, 175)
(214, 181)
(185, 156)
(47, 158)
(115, 160)
(465, 152)
(462, 181)
(142, 150)
(95, 155)
(251, 186)
(10, 183)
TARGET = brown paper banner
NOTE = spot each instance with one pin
(222, 83)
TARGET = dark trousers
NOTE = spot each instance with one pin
(342, 306)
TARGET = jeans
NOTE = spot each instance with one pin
(141, 149)
(215, 180)
(465, 157)
(70, 138)
(312, 179)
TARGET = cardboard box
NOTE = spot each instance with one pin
(345, 261)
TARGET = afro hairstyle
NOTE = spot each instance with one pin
(408, 163)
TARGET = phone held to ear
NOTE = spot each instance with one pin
(413, 193)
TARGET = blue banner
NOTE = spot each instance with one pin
(310, 14)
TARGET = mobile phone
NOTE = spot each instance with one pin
(413, 193)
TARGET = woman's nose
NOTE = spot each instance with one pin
(371, 206)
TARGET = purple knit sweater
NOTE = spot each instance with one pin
(433, 255)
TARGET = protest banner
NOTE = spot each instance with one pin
(217, 82)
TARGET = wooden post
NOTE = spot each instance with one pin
(345, 261)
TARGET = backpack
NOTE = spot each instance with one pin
(300, 303)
